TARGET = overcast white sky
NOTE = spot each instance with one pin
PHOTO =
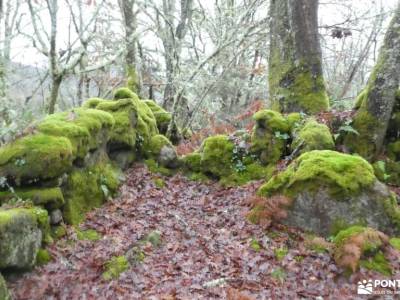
(22, 50)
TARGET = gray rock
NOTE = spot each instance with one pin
(20, 238)
(123, 158)
(56, 217)
(320, 213)
(4, 293)
(168, 157)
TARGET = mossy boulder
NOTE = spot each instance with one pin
(270, 136)
(88, 188)
(161, 149)
(328, 188)
(192, 162)
(51, 198)
(216, 156)
(21, 234)
(36, 157)
(87, 129)
(4, 293)
(312, 136)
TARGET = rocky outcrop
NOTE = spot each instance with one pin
(69, 163)
(329, 191)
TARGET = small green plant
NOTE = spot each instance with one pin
(255, 245)
(280, 253)
(282, 136)
(279, 274)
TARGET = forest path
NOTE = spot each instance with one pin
(208, 250)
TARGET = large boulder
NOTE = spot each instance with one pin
(329, 190)
(20, 236)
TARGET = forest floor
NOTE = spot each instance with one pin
(208, 250)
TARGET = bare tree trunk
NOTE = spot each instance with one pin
(295, 71)
(129, 18)
(55, 89)
(379, 97)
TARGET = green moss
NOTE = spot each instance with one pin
(159, 183)
(87, 235)
(342, 174)
(216, 157)
(132, 80)
(192, 162)
(200, 177)
(313, 136)
(124, 93)
(58, 232)
(294, 120)
(43, 257)
(393, 150)
(42, 218)
(154, 238)
(395, 243)
(157, 142)
(271, 120)
(360, 98)
(125, 114)
(162, 116)
(392, 209)
(4, 293)
(280, 253)
(51, 198)
(255, 245)
(92, 102)
(347, 233)
(36, 156)
(388, 171)
(114, 267)
(268, 140)
(253, 171)
(377, 263)
(88, 188)
(363, 143)
(295, 88)
(83, 127)
(154, 167)
(36, 213)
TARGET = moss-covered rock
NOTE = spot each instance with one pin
(114, 267)
(192, 162)
(270, 136)
(162, 150)
(51, 198)
(216, 156)
(395, 243)
(124, 112)
(359, 245)
(312, 136)
(36, 157)
(20, 237)
(4, 293)
(87, 235)
(327, 186)
(162, 116)
(87, 129)
(88, 188)
(252, 171)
